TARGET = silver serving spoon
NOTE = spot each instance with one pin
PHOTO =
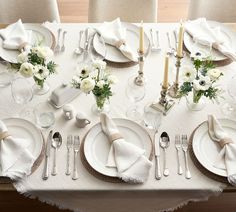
(56, 143)
(164, 143)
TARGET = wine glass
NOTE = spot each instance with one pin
(22, 94)
(135, 93)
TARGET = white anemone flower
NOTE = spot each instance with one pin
(203, 83)
(41, 73)
(188, 74)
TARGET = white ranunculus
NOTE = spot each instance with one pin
(22, 57)
(112, 79)
(99, 64)
(101, 83)
(203, 83)
(188, 74)
(87, 85)
(214, 73)
(27, 69)
(42, 72)
(43, 51)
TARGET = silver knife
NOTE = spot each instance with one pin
(157, 156)
(86, 39)
(47, 155)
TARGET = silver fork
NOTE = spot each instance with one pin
(76, 151)
(178, 147)
(185, 149)
(158, 41)
(69, 146)
(171, 50)
(176, 39)
(57, 47)
(79, 49)
(153, 46)
(63, 41)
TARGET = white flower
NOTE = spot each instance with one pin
(188, 74)
(203, 83)
(93, 74)
(101, 83)
(27, 69)
(43, 51)
(84, 72)
(22, 57)
(87, 85)
(112, 79)
(41, 72)
(76, 79)
(99, 64)
(214, 73)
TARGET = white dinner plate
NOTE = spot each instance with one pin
(21, 128)
(40, 35)
(97, 146)
(228, 36)
(132, 39)
(206, 150)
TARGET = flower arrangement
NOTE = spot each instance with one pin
(95, 78)
(34, 63)
(201, 80)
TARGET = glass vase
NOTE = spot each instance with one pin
(195, 102)
(41, 89)
(101, 105)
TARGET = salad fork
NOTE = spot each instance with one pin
(153, 46)
(63, 41)
(171, 50)
(57, 47)
(178, 147)
(76, 146)
(185, 149)
(69, 146)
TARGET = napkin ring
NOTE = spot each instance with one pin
(225, 141)
(119, 43)
(114, 137)
(4, 135)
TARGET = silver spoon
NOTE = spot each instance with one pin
(164, 143)
(56, 143)
(79, 50)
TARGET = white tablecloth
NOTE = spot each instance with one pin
(91, 194)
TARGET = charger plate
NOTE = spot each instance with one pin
(40, 35)
(96, 145)
(206, 150)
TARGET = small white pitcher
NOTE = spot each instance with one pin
(82, 120)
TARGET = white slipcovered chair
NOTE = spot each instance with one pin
(217, 10)
(127, 10)
(31, 11)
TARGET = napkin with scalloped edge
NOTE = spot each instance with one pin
(206, 35)
(227, 156)
(131, 163)
(114, 34)
(15, 158)
(15, 37)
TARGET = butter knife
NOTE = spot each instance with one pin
(157, 156)
(47, 155)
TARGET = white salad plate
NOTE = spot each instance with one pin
(40, 35)
(206, 150)
(97, 146)
(228, 36)
(21, 128)
(113, 54)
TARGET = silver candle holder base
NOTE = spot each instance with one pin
(140, 80)
(164, 105)
(174, 89)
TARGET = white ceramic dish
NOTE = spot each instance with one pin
(40, 34)
(207, 150)
(97, 146)
(132, 39)
(228, 36)
(24, 129)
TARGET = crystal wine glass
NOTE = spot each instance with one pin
(135, 93)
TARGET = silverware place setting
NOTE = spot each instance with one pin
(178, 148)
(164, 143)
(56, 143)
(76, 147)
(69, 146)
(185, 150)
(60, 47)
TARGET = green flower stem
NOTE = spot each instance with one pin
(100, 101)
(196, 96)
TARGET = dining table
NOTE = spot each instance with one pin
(90, 193)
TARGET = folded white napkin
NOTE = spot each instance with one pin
(131, 163)
(15, 159)
(114, 34)
(15, 36)
(206, 35)
(227, 156)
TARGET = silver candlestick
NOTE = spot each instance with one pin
(174, 89)
(164, 105)
(140, 80)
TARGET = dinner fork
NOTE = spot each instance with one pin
(57, 47)
(76, 150)
(69, 146)
(171, 50)
(176, 39)
(63, 41)
(79, 49)
(185, 149)
(178, 147)
(153, 46)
